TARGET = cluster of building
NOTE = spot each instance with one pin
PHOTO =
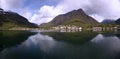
(74, 28)
(67, 28)
(104, 28)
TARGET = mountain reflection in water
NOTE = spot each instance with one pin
(12, 38)
(61, 46)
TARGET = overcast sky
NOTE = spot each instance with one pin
(41, 11)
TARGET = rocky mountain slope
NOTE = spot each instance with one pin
(75, 17)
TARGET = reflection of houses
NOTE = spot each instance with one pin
(67, 28)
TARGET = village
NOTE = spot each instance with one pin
(74, 28)
(71, 28)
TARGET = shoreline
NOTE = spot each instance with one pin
(95, 29)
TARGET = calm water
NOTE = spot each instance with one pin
(56, 45)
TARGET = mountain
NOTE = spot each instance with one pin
(75, 17)
(108, 21)
(10, 19)
(117, 21)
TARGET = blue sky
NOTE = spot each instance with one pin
(36, 4)
(43, 11)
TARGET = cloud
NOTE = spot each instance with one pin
(27, 14)
(97, 17)
(45, 14)
(107, 8)
(10, 4)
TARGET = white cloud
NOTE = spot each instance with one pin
(10, 4)
(45, 14)
(27, 14)
(97, 17)
(107, 8)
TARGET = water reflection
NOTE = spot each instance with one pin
(44, 42)
(12, 38)
(55, 46)
(72, 37)
(111, 42)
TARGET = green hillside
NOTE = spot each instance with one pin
(10, 19)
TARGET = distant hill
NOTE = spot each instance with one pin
(75, 17)
(117, 21)
(108, 21)
(10, 19)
